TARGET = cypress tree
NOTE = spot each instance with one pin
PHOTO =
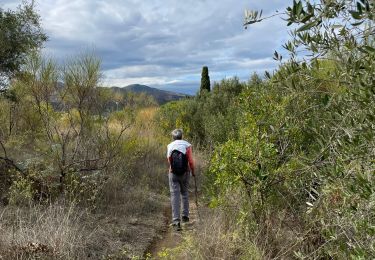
(205, 80)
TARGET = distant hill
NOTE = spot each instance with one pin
(160, 96)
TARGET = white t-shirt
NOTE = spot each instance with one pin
(180, 145)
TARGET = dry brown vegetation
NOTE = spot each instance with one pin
(61, 230)
(124, 224)
(77, 180)
(215, 235)
(119, 222)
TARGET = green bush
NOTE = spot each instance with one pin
(21, 192)
(207, 119)
(295, 155)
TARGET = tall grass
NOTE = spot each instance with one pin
(119, 221)
(216, 236)
(56, 231)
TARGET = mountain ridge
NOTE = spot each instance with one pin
(160, 96)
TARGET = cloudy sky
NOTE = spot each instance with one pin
(163, 43)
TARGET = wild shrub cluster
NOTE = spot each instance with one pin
(207, 119)
(59, 133)
(53, 134)
(293, 159)
(66, 148)
(81, 166)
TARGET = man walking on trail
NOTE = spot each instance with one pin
(180, 158)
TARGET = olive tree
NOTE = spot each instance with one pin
(20, 33)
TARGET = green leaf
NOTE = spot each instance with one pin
(356, 15)
(294, 11)
(358, 23)
(369, 48)
(310, 8)
(299, 8)
(363, 50)
(359, 7)
(306, 26)
(337, 26)
(306, 18)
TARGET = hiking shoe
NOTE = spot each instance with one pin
(176, 226)
(185, 219)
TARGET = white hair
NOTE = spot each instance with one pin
(177, 134)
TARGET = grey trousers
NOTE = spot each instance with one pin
(178, 186)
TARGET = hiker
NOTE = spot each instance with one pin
(181, 164)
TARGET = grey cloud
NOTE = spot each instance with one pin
(173, 38)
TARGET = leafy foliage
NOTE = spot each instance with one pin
(208, 118)
(20, 33)
(299, 156)
(306, 141)
(61, 127)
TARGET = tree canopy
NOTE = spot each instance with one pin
(20, 33)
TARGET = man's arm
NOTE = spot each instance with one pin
(189, 155)
(170, 163)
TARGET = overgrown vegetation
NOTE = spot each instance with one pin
(208, 119)
(290, 167)
(63, 152)
(79, 178)
(293, 155)
(20, 33)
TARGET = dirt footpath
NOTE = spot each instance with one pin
(169, 238)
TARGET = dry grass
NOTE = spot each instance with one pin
(124, 219)
(216, 237)
(55, 231)
(122, 229)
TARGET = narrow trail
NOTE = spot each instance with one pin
(170, 238)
